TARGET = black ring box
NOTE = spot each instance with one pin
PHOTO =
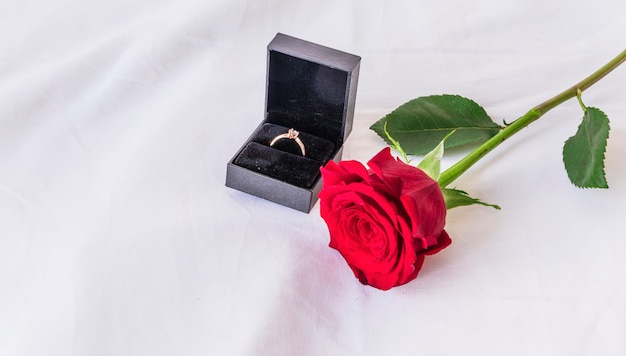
(312, 89)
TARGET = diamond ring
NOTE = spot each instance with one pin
(291, 135)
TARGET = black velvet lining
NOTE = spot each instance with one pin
(295, 170)
(312, 96)
(284, 160)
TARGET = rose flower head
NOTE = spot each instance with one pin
(383, 220)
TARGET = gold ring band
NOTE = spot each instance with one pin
(291, 135)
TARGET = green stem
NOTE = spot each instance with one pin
(452, 173)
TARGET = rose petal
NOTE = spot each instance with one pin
(384, 220)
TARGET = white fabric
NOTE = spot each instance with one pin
(118, 236)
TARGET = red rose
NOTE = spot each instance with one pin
(383, 220)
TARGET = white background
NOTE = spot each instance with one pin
(118, 236)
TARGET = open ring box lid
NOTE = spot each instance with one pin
(312, 89)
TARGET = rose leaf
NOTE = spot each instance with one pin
(583, 153)
(420, 124)
(455, 198)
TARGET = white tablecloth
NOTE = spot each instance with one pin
(118, 236)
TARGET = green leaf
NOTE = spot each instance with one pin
(420, 124)
(583, 153)
(455, 198)
(431, 163)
